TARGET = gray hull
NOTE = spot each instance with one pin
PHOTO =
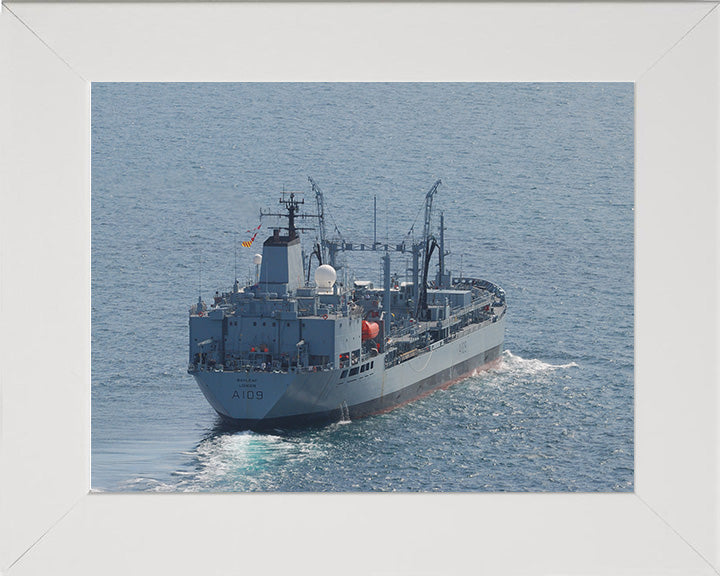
(258, 399)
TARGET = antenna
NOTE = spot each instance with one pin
(375, 221)
(292, 205)
(235, 242)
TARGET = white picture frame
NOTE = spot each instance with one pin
(50, 523)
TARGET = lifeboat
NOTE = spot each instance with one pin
(369, 330)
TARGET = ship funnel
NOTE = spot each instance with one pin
(281, 265)
(325, 277)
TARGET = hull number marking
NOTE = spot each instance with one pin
(248, 394)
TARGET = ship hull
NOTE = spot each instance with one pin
(258, 400)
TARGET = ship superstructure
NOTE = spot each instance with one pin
(284, 350)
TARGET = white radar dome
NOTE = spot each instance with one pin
(325, 277)
(257, 259)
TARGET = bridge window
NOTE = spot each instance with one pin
(344, 373)
(354, 371)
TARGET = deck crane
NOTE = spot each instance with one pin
(426, 246)
(422, 250)
(327, 250)
(320, 213)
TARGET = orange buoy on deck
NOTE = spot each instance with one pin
(369, 330)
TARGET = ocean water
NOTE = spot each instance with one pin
(538, 197)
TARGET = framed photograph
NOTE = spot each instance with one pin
(55, 56)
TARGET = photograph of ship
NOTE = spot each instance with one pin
(362, 287)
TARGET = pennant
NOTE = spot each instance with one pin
(248, 243)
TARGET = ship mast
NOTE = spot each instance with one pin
(292, 205)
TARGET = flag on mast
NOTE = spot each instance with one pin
(248, 243)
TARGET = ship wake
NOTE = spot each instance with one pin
(239, 461)
(514, 368)
(514, 364)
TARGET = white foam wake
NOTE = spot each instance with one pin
(517, 365)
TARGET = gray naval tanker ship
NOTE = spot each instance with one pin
(283, 351)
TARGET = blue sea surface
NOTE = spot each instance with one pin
(537, 195)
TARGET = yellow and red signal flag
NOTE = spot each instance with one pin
(248, 243)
